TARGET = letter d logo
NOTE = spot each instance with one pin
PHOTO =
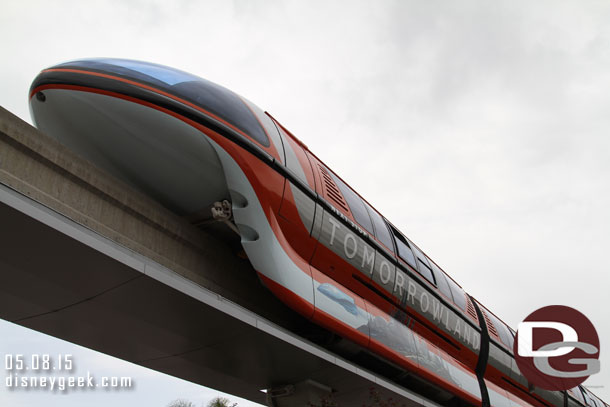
(525, 333)
(556, 348)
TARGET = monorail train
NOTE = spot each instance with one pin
(314, 242)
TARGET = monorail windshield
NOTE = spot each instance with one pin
(211, 97)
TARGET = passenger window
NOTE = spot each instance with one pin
(511, 338)
(588, 399)
(595, 401)
(577, 394)
(381, 229)
(356, 205)
(502, 329)
(441, 279)
(459, 296)
(422, 264)
(425, 271)
(403, 249)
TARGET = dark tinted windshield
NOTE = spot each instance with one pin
(203, 93)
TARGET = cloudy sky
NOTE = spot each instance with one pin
(481, 129)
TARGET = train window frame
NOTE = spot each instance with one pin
(378, 221)
(576, 394)
(397, 236)
(588, 399)
(596, 400)
(455, 286)
(512, 337)
(425, 271)
(422, 259)
(444, 286)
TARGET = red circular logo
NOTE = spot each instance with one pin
(557, 348)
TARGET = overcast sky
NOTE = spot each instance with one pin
(481, 129)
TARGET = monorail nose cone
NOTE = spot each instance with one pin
(132, 120)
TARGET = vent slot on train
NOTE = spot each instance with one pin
(331, 189)
(491, 327)
(471, 310)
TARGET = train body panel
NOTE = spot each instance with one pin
(314, 242)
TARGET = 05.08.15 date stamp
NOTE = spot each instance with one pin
(54, 373)
(38, 362)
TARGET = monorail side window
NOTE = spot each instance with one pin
(503, 331)
(594, 402)
(511, 338)
(588, 400)
(422, 264)
(577, 394)
(356, 205)
(402, 246)
(425, 271)
(381, 229)
(459, 296)
(441, 279)
(597, 400)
